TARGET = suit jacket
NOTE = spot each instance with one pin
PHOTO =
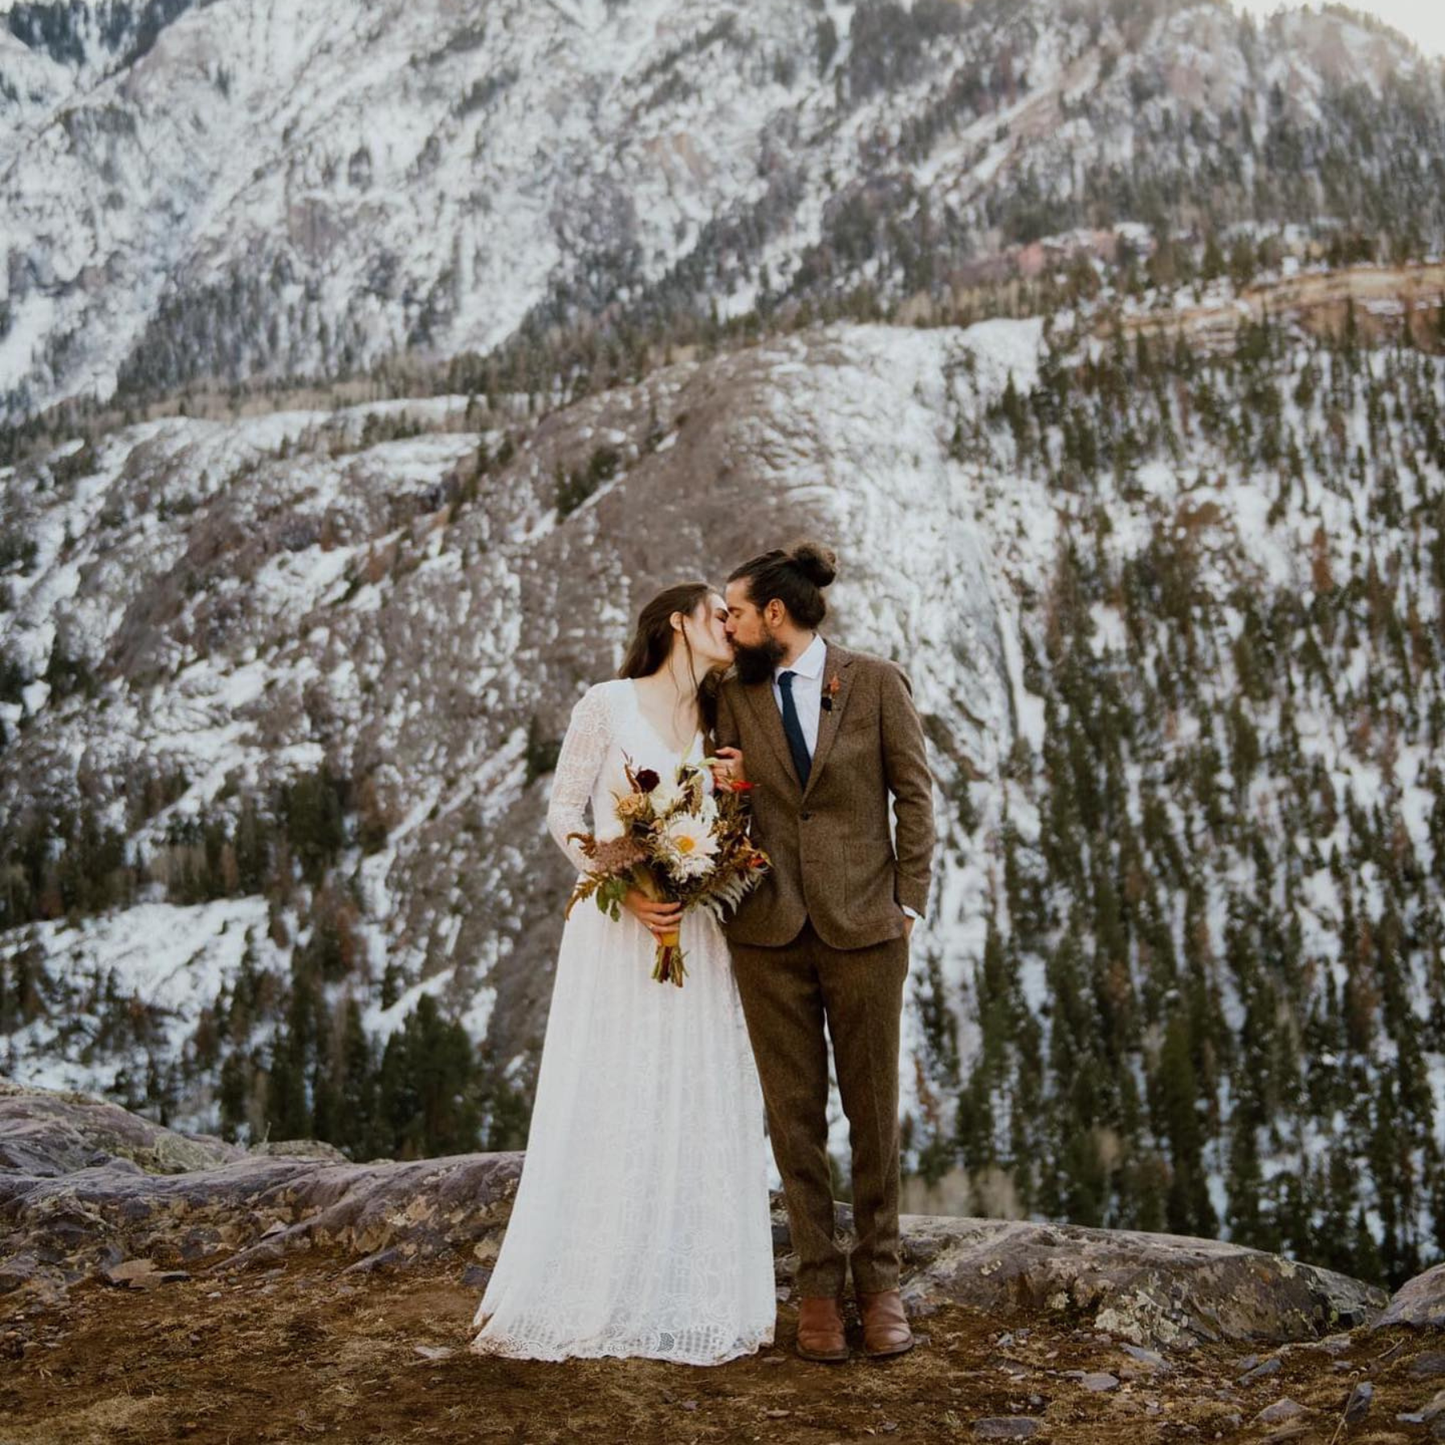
(833, 859)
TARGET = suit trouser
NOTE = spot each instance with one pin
(788, 994)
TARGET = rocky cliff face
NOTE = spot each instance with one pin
(420, 612)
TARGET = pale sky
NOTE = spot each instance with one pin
(1422, 20)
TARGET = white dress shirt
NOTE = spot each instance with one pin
(807, 689)
(808, 699)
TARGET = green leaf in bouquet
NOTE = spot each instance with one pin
(610, 895)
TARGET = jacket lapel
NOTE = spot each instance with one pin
(837, 662)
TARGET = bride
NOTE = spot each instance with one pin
(641, 1224)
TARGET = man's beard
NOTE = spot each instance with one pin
(758, 663)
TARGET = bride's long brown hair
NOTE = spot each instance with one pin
(651, 643)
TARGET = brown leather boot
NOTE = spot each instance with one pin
(820, 1329)
(885, 1326)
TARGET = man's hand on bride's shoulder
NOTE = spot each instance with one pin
(727, 766)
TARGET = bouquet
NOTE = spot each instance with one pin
(679, 844)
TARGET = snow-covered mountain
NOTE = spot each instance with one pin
(1141, 476)
(285, 691)
(314, 594)
(209, 193)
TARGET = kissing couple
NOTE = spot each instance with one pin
(641, 1223)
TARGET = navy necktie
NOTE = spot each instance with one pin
(797, 743)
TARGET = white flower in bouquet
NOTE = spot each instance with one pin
(667, 796)
(688, 845)
(682, 841)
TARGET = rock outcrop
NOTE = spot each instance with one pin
(48, 1133)
(1420, 1301)
(86, 1187)
(1151, 1289)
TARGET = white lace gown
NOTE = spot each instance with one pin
(641, 1222)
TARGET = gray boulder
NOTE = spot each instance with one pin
(1149, 1289)
(45, 1132)
(1419, 1301)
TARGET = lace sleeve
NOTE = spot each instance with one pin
(583, 751)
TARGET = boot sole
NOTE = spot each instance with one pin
(889, 1353)
(828, 1359)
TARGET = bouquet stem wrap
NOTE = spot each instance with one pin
(668, 966)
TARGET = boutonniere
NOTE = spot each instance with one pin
(830, 691)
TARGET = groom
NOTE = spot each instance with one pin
(827, 735)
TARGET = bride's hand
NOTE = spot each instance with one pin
(728, 767)
(657, 917)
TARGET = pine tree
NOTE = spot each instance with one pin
(1187, 1206)
(428, 1086)
(232, 1093)
(356, 1132)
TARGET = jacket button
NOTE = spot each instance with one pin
(805, 816)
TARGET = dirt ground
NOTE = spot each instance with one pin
(301, 1351)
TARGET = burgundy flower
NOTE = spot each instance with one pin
(647, 780)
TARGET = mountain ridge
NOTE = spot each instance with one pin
(280, 197)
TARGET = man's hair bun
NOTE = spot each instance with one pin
(796, 577)
(819, 564)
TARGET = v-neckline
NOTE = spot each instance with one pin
(649, 725)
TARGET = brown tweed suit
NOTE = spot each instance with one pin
(821, 942)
